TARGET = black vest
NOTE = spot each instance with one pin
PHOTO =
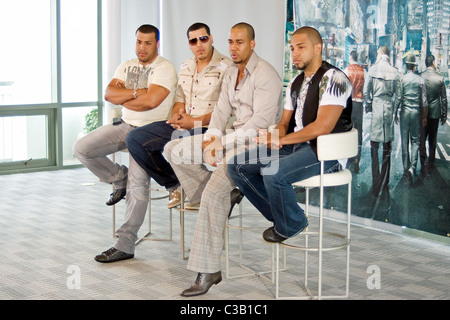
(311, 104)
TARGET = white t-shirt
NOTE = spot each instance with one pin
(335, 89)
(160, 72)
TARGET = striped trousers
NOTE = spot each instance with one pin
(210, 187)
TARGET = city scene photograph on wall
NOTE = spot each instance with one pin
(396, 54)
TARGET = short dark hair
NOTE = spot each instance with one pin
(148, 28)
(313, 35)
(197, 26)
(354, 55)
(429, 60)
(249, 28)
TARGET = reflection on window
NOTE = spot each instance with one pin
(79, 50)
(76, 123)
(25, 55)
(30, 138)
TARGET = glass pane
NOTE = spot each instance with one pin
(76, 123)
(25, 55)
(79, 50)
(23, 138)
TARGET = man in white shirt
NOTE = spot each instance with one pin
(145, 87)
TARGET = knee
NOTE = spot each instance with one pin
(133, 140)
(79, 148)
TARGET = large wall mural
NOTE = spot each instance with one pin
(420, 201)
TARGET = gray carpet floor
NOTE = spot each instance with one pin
(53, 223)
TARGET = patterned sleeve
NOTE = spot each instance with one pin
(334, 88)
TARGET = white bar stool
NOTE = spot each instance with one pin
(329, 147)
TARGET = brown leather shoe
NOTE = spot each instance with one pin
(202, 284)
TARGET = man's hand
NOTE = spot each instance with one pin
(271, 140)
(173, 121)
(213, 150)
(182, 121)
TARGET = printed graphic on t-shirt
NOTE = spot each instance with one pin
(334, 89)
(137, 77)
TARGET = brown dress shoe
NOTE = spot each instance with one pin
(202, 284)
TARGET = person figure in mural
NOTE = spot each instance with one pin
(381, 90)
(199, 82)
(318, 102)
(437, 111)
(144, 87)
(413, 107)
(356, 75)
(252, 92)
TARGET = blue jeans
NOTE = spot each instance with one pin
(146, 145)
(266, 180)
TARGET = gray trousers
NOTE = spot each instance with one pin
(209, 187)
(92, 150)
(410, 133)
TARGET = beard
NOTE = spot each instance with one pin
(301, 66)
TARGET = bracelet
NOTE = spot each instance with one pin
(134, 94)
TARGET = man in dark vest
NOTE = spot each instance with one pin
(318, 102)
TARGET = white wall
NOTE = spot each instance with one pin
(266, 16)
(173, 17)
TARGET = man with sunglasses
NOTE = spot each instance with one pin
(200, 78)
(252, 92)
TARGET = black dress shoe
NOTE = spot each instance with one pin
(202, 284)
(116, 196)
(270, 235)
(113, 255)
(236, 197)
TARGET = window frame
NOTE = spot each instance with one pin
(53, 111)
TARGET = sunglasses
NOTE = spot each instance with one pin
(203, 39)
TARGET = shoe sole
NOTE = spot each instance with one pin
(171, 206)
(110, 261)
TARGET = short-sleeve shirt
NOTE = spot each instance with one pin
(160, 72)
(327, 94)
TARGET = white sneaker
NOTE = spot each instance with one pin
(175, 199)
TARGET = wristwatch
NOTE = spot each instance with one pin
(134, 94)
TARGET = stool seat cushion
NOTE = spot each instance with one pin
(329, 180)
